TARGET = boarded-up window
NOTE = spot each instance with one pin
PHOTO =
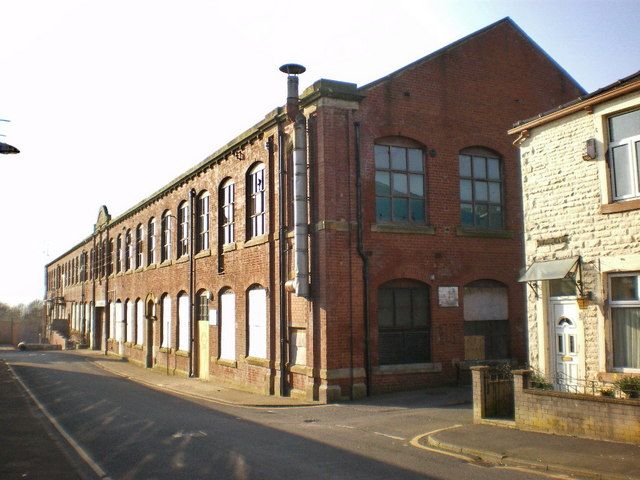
(139, 322)
(119, 320)
(228, 326)
(130, 321)
(298, 346)
(486, 313)
(183, 323)
(258, 323)
(166, 321)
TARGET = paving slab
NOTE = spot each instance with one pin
(564, 454)
(209, 390)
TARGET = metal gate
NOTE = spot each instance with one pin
(498, 394)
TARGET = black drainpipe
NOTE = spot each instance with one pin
(282, 262)
(365, 260)
(192, 195)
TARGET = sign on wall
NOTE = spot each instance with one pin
(448, 296)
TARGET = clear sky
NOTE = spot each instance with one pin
(110, 100)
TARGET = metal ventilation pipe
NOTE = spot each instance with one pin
(300, 284)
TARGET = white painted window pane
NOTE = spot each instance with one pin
(140, 322)
(119, 319)
(623, 179)
(166, 321)
(258, 323)
(183, 323)
(112, 320)
(130, 322)
(486, 303)
(228, 327)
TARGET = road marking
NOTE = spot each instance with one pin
(415, 441)
(389, 436)
(345, 426)
(75, 445)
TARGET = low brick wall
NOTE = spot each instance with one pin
(586, 416)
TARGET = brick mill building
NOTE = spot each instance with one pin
(358, 240)
(581, 187)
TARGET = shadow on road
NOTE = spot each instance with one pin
(136, 432)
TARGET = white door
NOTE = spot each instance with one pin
(228, 326)
(564, 342)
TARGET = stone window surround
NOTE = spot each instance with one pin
(601, 114)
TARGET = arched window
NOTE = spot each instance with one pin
(139, 250)
(183, 229)
(257, 322)
(404, 322)
(202, 214)
(486, 326)
(166, 236)
(139, 321)
(255, 201)
(228, 325)
(400, 181)
(481, 198)
(166, 321)
(128, 262)
(130, 321)
(226, 211)
(119, 254)
(120, 326)
(151, 241)
(184, 336)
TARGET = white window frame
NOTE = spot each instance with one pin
(615, 304)
(151, 241)
(203, 221)
(256, 207)
(183, 229)
(128, 243)
(139, 246)
(633, 167)
(226, 212)
(167, 233)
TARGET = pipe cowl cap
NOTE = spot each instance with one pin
(292, 69)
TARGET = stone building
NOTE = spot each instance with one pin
(361, 239)
(581, 189)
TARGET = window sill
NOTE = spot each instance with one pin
(182, 353)
(138, 347)
(153, 266)
(300, 369)
(227, 363)
(182, 259)
(128, 344)
(408, 368)
(165, 350)
(229, 247)
(483, 233)
(621, 206)
(402, 228)
(259, 240)
(202, 254)
(257, 362)
(166, 263)
(139, 269)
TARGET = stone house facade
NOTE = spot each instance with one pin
(581, 190)
(362, 239)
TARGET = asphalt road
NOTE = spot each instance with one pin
(130, 431)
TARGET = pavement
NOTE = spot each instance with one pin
(558, 456)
